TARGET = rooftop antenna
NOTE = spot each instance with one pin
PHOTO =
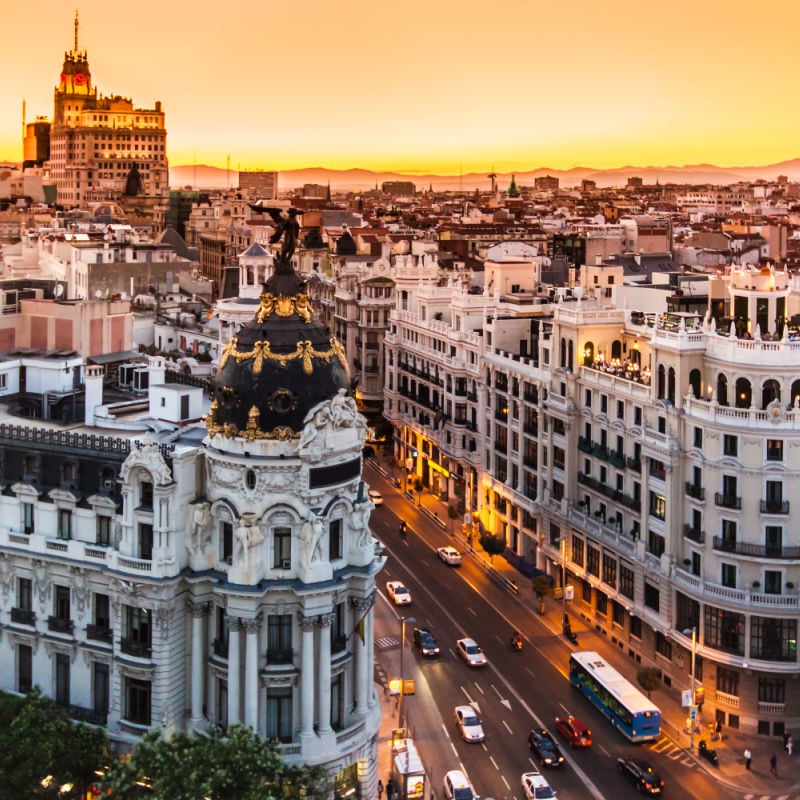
(229, 170)
(493, 178)
(194, 179)
(75, 49)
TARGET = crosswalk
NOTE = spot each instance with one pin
(387, 642)
(667, 748)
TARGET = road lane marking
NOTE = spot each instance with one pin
(566, 710)
(503, 778)
(528, 669)
(472, 611)
(491, 758)
(603, 751)
(507, 728)
(480, 688)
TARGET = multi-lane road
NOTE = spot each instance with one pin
(515, 691)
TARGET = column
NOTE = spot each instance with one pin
(307, 677)
(325, 621)
(361, 676)
(369, 633)
(233, 625)
(252, 626)
(198, 612)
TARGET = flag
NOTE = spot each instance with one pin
(360, 627)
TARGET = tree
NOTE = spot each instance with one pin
(232, 764)
(649, 679)
(42, 749)
(542, 586)
(493, 545)
(453, 513)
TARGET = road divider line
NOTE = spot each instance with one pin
(507, 728)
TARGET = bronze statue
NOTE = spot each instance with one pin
(287, 227)
(134, 185)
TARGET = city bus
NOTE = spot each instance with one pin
(628, 710)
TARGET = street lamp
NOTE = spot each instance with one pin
(562, 544)
(693, 708)
(403, 621)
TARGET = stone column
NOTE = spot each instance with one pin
(233, 625)
(252, 626)
(361, 649)
(370, 636)
(325, 621)
(198, 612)
(307, 677)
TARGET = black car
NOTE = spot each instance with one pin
(425, 642)
(544, 747)
(641, 775)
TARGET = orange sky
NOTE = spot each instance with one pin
(443, 86)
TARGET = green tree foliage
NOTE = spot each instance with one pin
(542, 587)
(493, 545)
(41, 749)
(454, 514)
(649, 679)
(236, 764)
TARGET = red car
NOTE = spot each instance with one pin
(574, 731)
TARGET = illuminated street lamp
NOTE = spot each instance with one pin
(403, 621)
(693, 708)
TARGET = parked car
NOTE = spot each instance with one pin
(468, 650)
(641, 775)
(469, 726)
(376, 497)
(574, 731)
(536, 787)
(399, 594)
(425, 642)
(449, 555)
(544, 747)
(455, 786)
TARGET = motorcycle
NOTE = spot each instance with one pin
(705, 752)
(516, 642)
(403, 528)
(567, 630)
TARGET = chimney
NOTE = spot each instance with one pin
(156, 366)
(93, 398)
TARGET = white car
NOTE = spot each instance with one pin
(455, 786)
(376, 497)
(468, 724)
(398, 593)
(468, 650)
(449, 555)
(536, 787)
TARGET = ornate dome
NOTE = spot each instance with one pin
(278, 367)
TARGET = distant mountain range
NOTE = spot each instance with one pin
(205, 177)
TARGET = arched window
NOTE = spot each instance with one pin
(722, 389)
(795, 392)
(744, 393)
(671, 385)
(616, 349)
(661, 382)
(771, 390)
(588, 354)
(570, 355)
(695, 383)
(563, 353)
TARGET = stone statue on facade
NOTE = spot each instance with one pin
(246, 537)
(311, 536)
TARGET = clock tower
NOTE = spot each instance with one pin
(75, 85)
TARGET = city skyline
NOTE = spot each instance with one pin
(439, 88)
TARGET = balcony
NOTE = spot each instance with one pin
(131, 647)
(697, 492)
(728, 501)
(99, 633)
(87, 715)
(279, 655)
(584, 444)
(774, 506)
(634, 463)
(756, 550)
(600, 451)
(23, 616)
(616, 459)
(60, 625)
(695, 534)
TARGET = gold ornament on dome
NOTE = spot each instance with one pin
(283, 306)
(251, 432)
(261, 352)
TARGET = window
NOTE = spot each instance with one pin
(282, 548)
(658, 505)
(24, 668)
(27, 518)
(226, 542)
(771, 690)
(137, 701)
(626, 581)
(663, 646)
(62, 679)
(728, 575)
(730, 445)
(697, 438)
(601, 603)
(609, 570)
(103, 533)
(773, 639)
(279, 713)
(652, 596)
(146, 495)
(577, 551)
(620, 409)
(636, 627)
(592, 560)
(335, 543)
(279, 638)
(338, 633)
(25, 594)
(728, 534)
(637, 415)
(603, 404)
(100, 689)
(773, 541)
(727, 681)
(64, 523)
(774, 450)
(773, 580)
(145, 542)
(61, 604)
(655, 543)
(617, 613)
(724, 630)
(138, 632)
(337, 702)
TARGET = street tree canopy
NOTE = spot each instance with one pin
(232, 764)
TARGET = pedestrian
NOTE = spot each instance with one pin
(773, 764)
(748, 757)
(390, 789)
(789, 744)
(718, 731)
(786, 735)
(380, 788)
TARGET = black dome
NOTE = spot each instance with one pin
(277, 368)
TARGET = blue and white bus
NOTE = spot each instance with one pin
(628, 710)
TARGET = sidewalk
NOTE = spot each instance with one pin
(731, 770)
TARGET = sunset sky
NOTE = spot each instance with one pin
(440, 86)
